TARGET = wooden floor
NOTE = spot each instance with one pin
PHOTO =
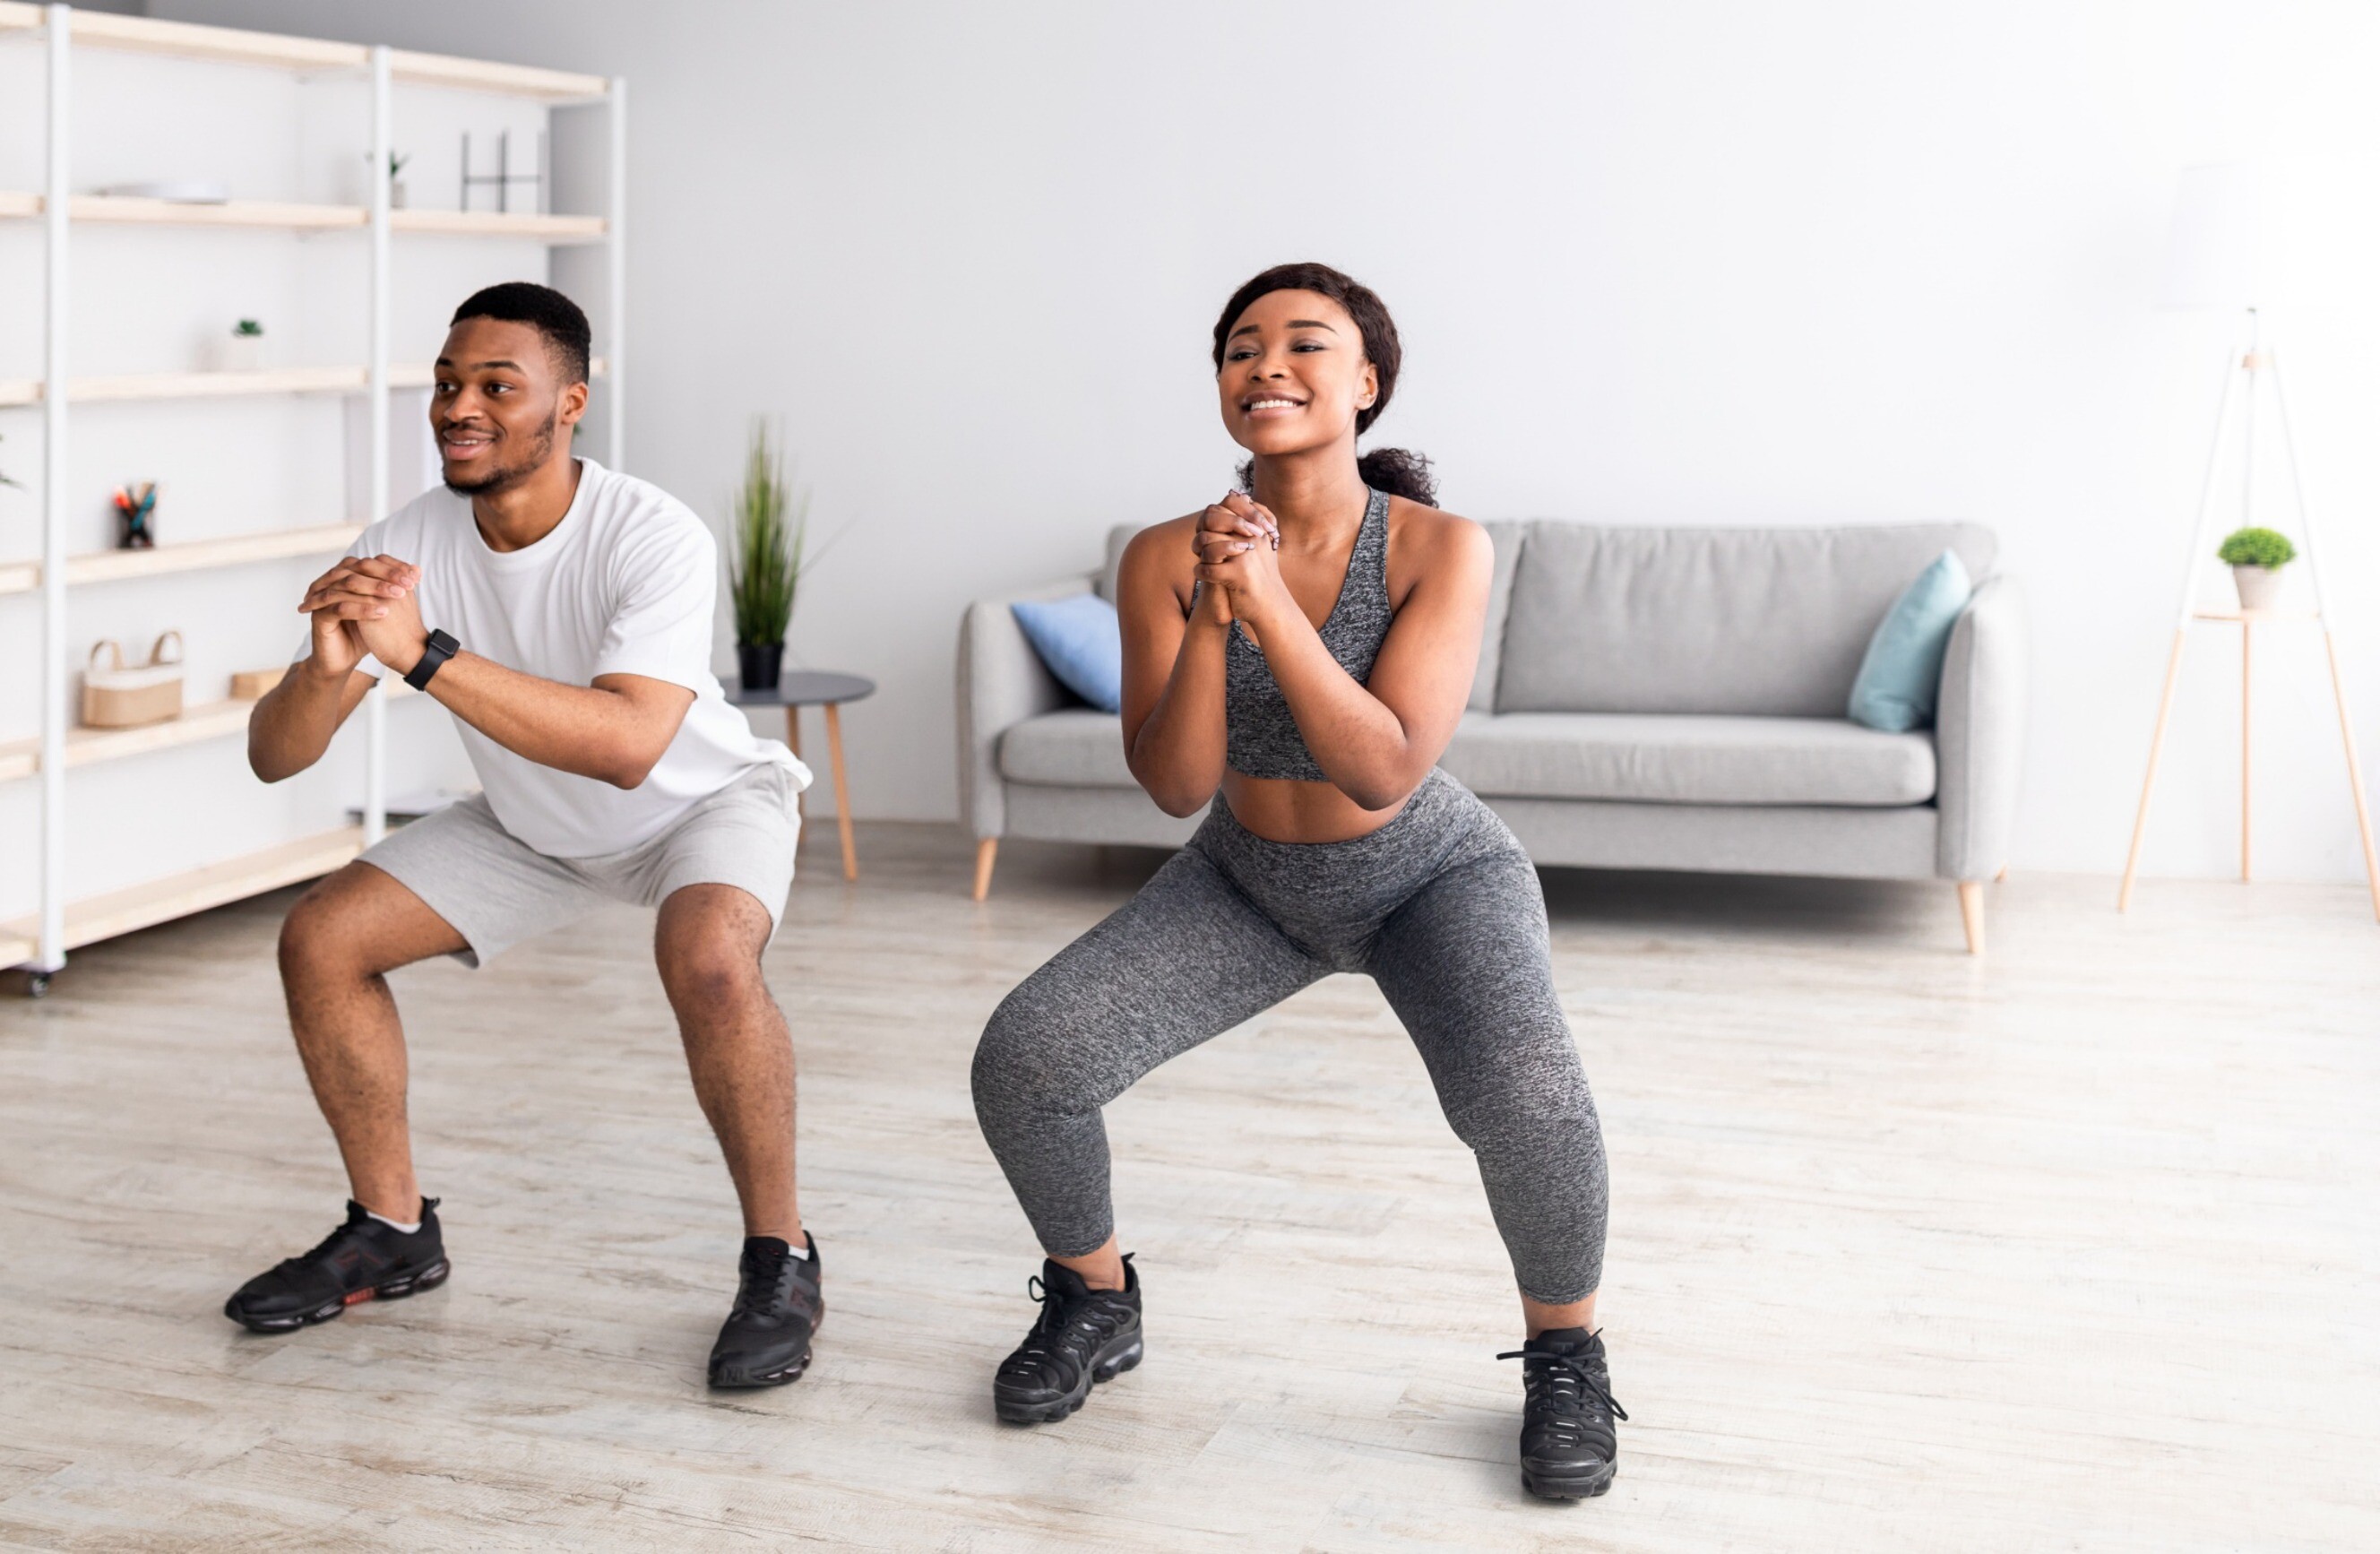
(2074, 1248)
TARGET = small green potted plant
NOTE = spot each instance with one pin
(2255, 558)
(244, 352)
(764, 562)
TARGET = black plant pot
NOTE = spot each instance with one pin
(758, 664)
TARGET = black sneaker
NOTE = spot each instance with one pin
(361, 1260)
(766, 1340)
(1569, 1449)
(1084, 1335)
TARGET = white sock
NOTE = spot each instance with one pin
(395, 1224)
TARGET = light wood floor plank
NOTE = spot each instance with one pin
(2072, 1247)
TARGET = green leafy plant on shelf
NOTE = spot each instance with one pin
(2256, 547)
(249, 329)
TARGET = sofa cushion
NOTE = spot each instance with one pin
(1074, 747)
(1118, 537)
(1689, 759)
(1508, 538)
(1768, 622)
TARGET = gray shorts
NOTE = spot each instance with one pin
(496, 891)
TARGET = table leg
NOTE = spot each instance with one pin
(2247, 661)
(2354, 771)
(2148, 783)
(841, 791)
(794, 743)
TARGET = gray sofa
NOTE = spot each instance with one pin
(1646, 699)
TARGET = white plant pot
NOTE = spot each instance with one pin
(2259, 587)
(396, 196)
(241, 353)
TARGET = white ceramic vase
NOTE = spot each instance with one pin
(2259, 587)
(243, 353)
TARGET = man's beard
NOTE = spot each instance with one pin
(505, 476)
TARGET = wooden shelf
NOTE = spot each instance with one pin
(22, 757)
(230, 385)
(2254, 618)
(221, 46)
(177, 896)
(292, 216)
(213, 720)
(548, 228)
(128, 211)
(192, 385)
(226, 45)
(193, 555)
(487, 75)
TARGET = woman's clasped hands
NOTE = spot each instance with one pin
(1238, 543)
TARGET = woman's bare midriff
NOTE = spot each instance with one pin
(1284, 810)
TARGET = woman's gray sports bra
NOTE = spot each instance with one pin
(1261, 737)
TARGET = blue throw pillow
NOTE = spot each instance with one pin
(1902, 676)
(1082, 642)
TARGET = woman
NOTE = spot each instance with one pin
(1307, 648)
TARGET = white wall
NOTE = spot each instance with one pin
(1665, 260)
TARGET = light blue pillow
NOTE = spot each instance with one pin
(1902, 673)
(1082, 642)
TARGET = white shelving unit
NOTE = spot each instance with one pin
(63, 922)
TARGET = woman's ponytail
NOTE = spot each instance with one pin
(1400, 472)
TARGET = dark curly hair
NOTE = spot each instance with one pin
(553, 315)
(1398, 471)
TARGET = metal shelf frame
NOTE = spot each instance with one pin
(40, 943)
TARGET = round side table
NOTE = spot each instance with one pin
(798, 688)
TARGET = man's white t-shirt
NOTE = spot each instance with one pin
(625, 585)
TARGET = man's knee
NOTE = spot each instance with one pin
(323, 936)
(708, 950)
(357, 924)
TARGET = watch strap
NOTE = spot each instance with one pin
(434, 653)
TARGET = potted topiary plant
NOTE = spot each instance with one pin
(764, 562)
(2255, 558)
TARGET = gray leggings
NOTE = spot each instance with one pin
(1440, 906)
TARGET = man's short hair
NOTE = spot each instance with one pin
(549, 312)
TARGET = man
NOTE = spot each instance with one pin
(563, 613)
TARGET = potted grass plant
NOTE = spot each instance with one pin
(764, 561)
(2255, 558)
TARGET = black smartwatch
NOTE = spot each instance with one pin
(436, 651)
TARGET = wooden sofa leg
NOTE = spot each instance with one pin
(1971, 912)
(984, 851)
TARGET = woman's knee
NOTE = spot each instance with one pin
(1017, 1065)
(1533, 1091)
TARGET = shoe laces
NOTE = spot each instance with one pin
(324, 1247)
(763, 1287)
(1075, 1324)
(1566, 1385)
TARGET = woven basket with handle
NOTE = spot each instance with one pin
(116, 696)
